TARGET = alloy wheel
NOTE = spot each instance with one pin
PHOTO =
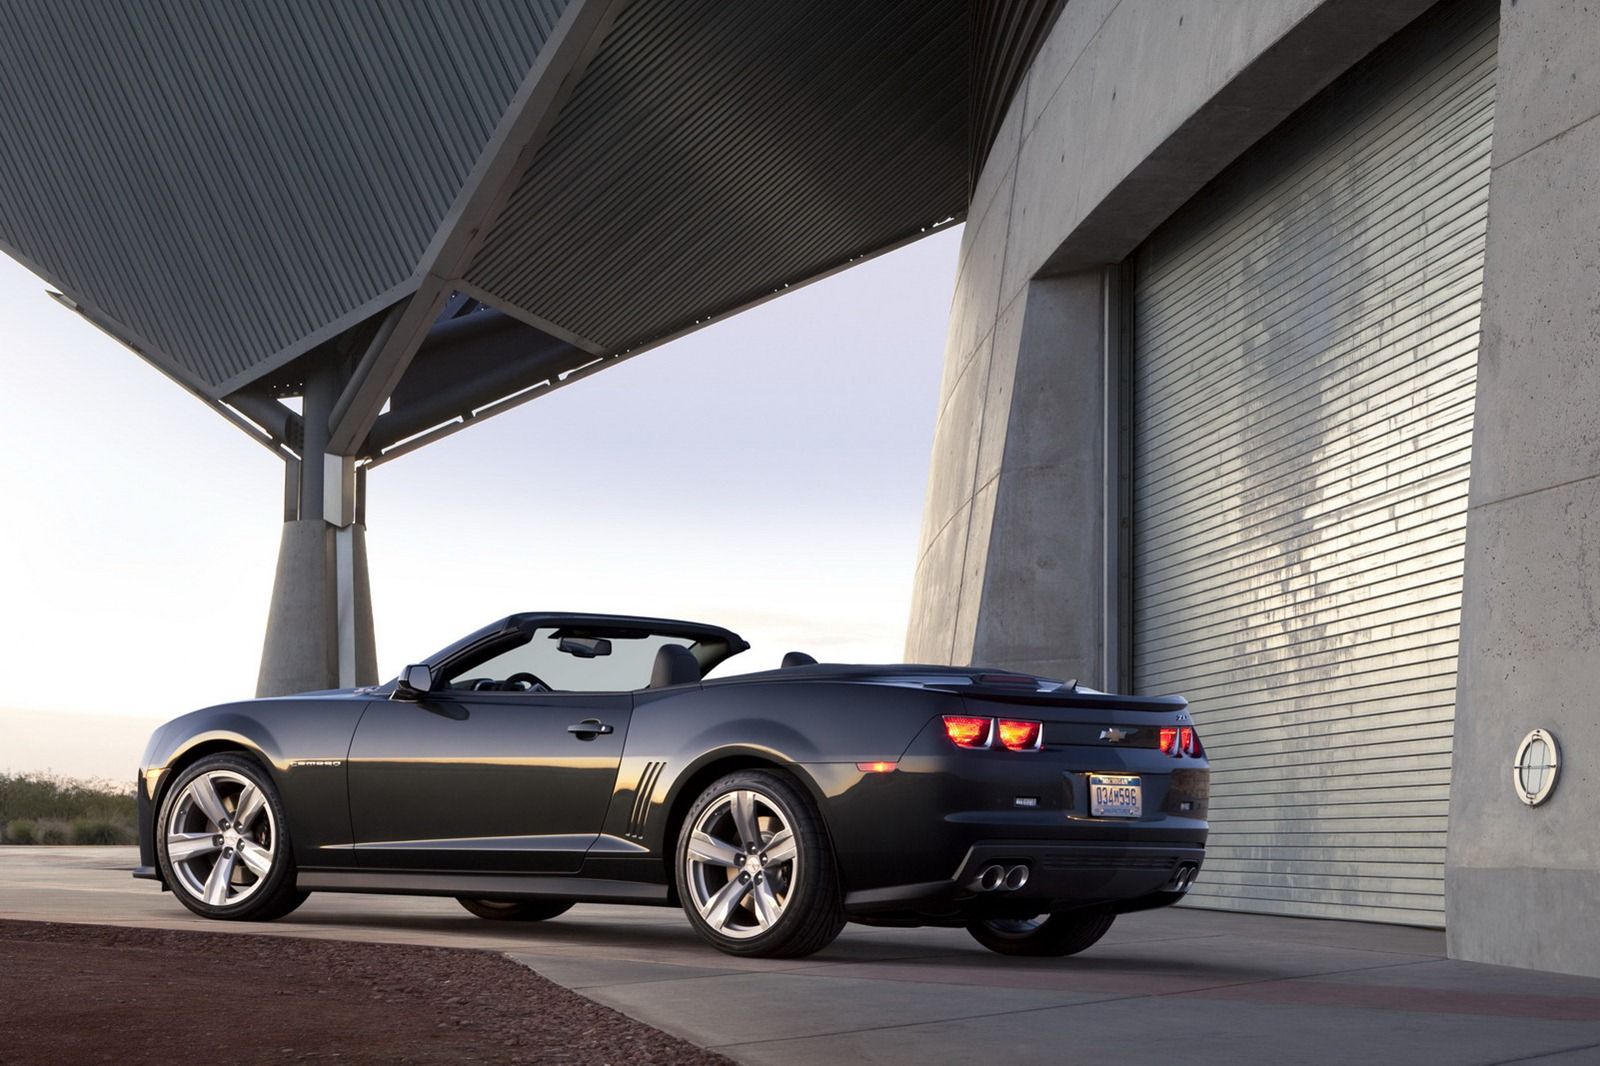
(741, 864)
(220, 838)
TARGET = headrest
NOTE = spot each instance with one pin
(798, 658)
(674, 665)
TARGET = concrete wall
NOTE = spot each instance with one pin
(1523, 884)
(1018, 462)
(1129, 109)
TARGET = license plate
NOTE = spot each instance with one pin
(1115, 796)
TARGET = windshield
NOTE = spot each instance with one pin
(540, 664)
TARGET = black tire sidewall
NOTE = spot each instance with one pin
(1062, 933)
(532, 910)
(816, 886)
(269, 900)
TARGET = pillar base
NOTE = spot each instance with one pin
(312, 595)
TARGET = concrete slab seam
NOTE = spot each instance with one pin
(1582, 122)
(1545, 1054)
(1484, 504)
(1097, 1001)
(1027, 131)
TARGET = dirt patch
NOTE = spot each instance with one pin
(94, 993)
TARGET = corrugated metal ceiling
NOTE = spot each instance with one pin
(224, 181)
(1006, 35)
(715, 153)
(229, 187)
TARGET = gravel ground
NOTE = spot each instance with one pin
(93, 993)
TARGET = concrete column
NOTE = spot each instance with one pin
(1523, 883)
(1013, 572)
(300, 653)
(319, 628)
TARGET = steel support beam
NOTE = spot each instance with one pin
(320, 627)
(522, 131)
(282, 424)
(469, 363)
(239, 422)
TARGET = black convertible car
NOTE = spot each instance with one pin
(553, 758)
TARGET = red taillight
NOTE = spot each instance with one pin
(1020, 736)
(1181, 741)
(968, 732)
(875, 767)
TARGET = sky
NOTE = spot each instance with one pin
(765, 473)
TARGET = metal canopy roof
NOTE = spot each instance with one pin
(227, 184)
(715, 153)
(460, 207)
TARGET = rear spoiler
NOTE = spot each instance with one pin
(1065, 696)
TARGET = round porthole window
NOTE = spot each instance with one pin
(1533, 774)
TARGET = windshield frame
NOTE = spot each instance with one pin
(710, 645)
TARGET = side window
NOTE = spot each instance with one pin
(623, 663)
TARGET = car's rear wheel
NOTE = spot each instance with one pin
(755, 870)
(1054, 935)
(222, 842)
(515, 910)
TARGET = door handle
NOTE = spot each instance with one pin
(589, 728)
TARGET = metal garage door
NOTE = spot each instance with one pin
(1304, 352)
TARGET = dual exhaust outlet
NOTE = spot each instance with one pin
(999, 878)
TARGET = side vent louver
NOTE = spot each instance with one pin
(641, 798)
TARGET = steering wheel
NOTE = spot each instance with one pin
(534, 683)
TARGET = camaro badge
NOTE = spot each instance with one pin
(1115, 735)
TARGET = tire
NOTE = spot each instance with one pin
(782, 904)
(519, 910)
(196, 835)
(1052, 935)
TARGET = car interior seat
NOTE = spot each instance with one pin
(674, 665)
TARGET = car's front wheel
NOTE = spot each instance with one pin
(515, 910)
(1053, 935)
(755, 870)
(222, 842)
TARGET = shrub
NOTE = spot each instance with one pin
(56, 810)
(98, 831)
(20, 831)
(51, 831)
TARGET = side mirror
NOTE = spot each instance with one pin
(415, 682)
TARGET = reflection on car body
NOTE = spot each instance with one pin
(554, 758)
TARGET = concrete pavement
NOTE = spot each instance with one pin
(1183, 985)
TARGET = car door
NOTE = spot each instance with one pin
(485, 781)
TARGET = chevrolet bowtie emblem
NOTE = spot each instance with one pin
(1115, 735)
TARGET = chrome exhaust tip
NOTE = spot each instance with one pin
(1016, 877)
(991, 878)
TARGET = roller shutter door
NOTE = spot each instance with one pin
(1305, 337)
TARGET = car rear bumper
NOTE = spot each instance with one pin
(1058, 876)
